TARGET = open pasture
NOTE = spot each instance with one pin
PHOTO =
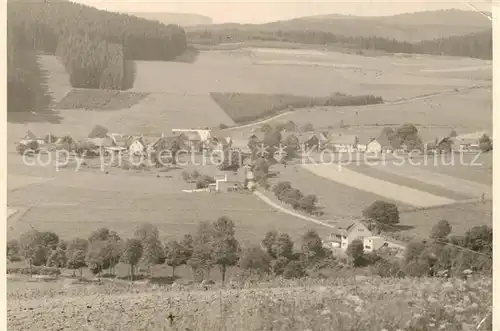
(235, 72)
(71, 206)
(382, 188)
(460, 216)
(15, 182)
(99, 99)
(399, 179)
(465, 111)
(156, 113)
(338, 199)
(461, 186)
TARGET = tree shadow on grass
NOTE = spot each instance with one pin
(28, 98)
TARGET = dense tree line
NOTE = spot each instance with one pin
(95, 46)
(477, 45)
(213, 244)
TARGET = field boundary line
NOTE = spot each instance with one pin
(393, 102)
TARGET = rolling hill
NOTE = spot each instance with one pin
(410, 27)
(181, 19)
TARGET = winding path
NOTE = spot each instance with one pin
(282, 209)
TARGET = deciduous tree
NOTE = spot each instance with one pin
(132, 254)
(225, 246)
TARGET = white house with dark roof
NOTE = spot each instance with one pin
(348, 231)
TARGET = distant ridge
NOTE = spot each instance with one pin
(175, 18)
(409, 27)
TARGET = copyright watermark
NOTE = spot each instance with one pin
(236, 157)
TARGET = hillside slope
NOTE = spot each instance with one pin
(410, 27)
(181, 19)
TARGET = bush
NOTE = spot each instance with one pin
(485, 144)
(294, 269)
(203, 181)
(223, 126)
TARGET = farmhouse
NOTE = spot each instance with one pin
(344, 142)
(220, 142)
(467, 142)
(137, 146)
(315, 139)
(382, 144)
(195, 138)
(348, 232)
(118, 140)
(31, 137)
(440, 144)
(241, 145)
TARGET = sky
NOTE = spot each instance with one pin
(260, 11)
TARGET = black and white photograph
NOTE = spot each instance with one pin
(249, 165)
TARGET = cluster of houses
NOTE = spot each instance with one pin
(204, 139)
(341, 142)
(134, 144)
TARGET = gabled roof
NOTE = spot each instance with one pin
(118, 139)
(258, 135)
(139, 139)
(346, 226)
(344, 139)
(30, 135)
(220, 138)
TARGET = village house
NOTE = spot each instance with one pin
(137, 146)
(347, 232)
(196, 139)
(382, 144)
(31, 137)
(440, 145)
(343, 142)
(316, 139)
(467, 142)
(220, 142)
(241, 145)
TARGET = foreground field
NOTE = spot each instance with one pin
(75, 204)
(341, 304)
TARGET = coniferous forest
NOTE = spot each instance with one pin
(476, 45)
(95, 46)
